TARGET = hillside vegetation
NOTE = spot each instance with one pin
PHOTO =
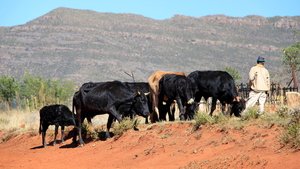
(82, 45)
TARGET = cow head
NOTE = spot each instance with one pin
(237, 106)
(190, 110)
(65, 116)
(140, 104)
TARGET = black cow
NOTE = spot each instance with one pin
(125, 109)
(58, 115)
(107, 98)
(220, 86)
(78, 101)
(174, 87)
(143, 87)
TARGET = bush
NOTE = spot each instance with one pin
(292, 129)
(283, 112)
(202, 118)
(250, 113)
(125, 125)
(88, 130)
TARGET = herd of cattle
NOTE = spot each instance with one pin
(154, 99)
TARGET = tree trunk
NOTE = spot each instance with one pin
(293, 71)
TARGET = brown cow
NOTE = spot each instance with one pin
(153, 81)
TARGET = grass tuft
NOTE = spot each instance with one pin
(250, 114)
(283, 112)
(125, 125)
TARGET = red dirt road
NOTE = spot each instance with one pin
(165, 146)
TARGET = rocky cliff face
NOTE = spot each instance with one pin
(282, 22)
(86, 46)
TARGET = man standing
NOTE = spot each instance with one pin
(259, 81)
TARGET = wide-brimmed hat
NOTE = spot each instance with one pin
(260, 59)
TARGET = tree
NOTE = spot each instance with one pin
(291, 57)
(233, 72)
(38, 92)
(8, 88)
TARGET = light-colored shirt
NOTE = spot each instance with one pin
(259, 78)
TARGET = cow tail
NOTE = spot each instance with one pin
(73, 106)
(40, 128)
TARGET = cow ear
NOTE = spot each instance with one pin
(138, 92)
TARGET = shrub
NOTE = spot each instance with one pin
(88, 130)
(250, 113)
(283, 112)
(202, 118)
(292, 129)
(125, 125)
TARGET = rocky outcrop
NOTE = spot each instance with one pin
(283, 22)
(293, 99)
(286, 22)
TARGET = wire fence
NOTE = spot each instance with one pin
(276, 96)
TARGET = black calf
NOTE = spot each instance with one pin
(58, 115)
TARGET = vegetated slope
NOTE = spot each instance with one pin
(160, 146)
(84, 45)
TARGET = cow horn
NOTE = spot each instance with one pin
(147, 93)
(237, 98)
(190, 101)
(138, 92)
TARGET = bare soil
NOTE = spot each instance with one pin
(168, 146)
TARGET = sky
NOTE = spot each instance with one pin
(18, 12)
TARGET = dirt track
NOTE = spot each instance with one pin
(165, 146)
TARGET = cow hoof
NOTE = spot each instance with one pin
(238, 115)
(182, 118)
(81, 145)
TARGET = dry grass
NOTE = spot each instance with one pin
(15, 122)
(18, 121)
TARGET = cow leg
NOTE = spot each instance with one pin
(62, 128)
(44, 130)
(55, 135)
(172, 112)
(113, 114)
(79, 126)
(162, 111)
(155, 103)
(89, 119)
(146, 120)
(153, 117)
(223, 108)
(155, 108)
(229, 111)
(213, 106)
(108, 125)
(181, 109)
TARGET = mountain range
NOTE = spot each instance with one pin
(84, 45)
